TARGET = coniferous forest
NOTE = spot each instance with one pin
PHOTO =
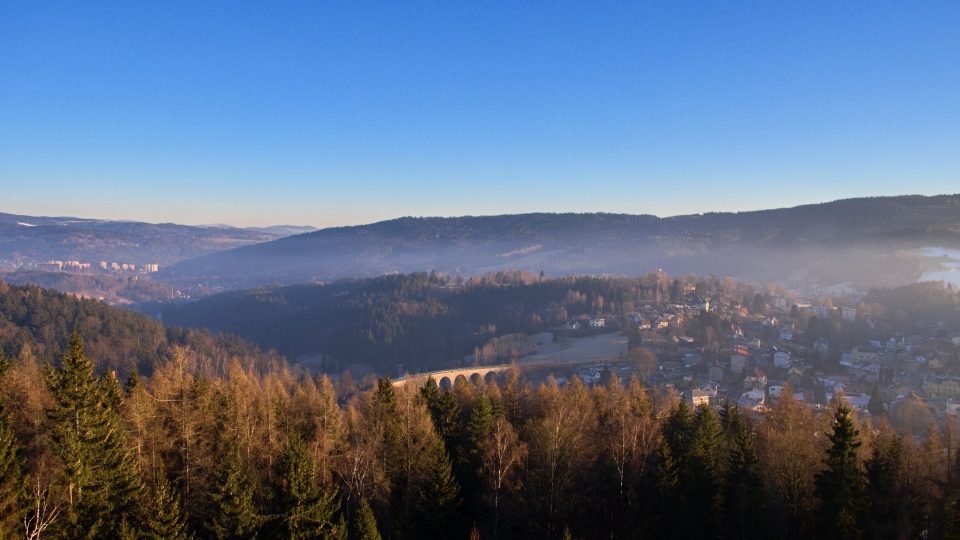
(136, 430)
(285, 454)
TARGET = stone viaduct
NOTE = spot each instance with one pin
(447, 377)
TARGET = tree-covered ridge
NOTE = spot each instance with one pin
(37, 322)
(418, 320)
(279, 454)
(427, 321)
(823, 244)
(38, 239)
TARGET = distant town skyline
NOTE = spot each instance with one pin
(325, 114)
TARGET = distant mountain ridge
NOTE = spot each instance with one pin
(863, 242)
(38, 238)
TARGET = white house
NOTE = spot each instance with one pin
(699, 397)
(781, 359)
(754, 400)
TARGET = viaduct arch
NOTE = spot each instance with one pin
(447, 377)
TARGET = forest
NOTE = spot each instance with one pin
(287, 454)
(422, 320)
(137, 430)
(38, 322)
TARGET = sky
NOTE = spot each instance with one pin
(331, 113)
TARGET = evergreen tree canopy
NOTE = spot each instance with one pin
(439, 503)
(305, 510)
(840, 485)
(165, 521)
(88, 438)
(742, 489)
(12, 483)
(364, 526)
(233, 514)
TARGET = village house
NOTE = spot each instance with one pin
(781, 359)
(698, 397)
(596, 322)
(936, 387)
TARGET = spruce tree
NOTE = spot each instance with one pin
(165, 521)
(700, 473)
(305, 510)
(742, 497)
(383, 407)
(481, 425)
(87, 436)
(233, 514)
(439, 503)
(478, 431)
(12, 483)
(840, 485)
(430, 392)
(677, 431)
(117, 466)
(445, 413)
(364, 526)
(668, 496)
(891, 500)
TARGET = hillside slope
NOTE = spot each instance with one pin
(41, 321)
(856, 241)
(37, 239)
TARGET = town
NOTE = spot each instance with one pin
(77, 266)
(714, 349)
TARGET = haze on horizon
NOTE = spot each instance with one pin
(340, 113)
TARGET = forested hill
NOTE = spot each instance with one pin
(38, 239)
(419, 321)
(37, 322)
(845, 241)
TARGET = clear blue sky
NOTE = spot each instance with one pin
(329, 113)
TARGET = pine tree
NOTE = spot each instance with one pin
(840, 486)
(478, 431)
(103, 484)
(891, 499)
(165, 521)
(742, 490)
(12, 483)
(677, 431)
(116, 464)
(445, 412)
(700, 473)
(305, 511)
(439, 503)
(233, 514)
(480, 426)
(364, 526)
(430, 392)
(384, 410)
(668, 500)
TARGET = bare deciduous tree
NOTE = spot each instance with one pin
(43, 511)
